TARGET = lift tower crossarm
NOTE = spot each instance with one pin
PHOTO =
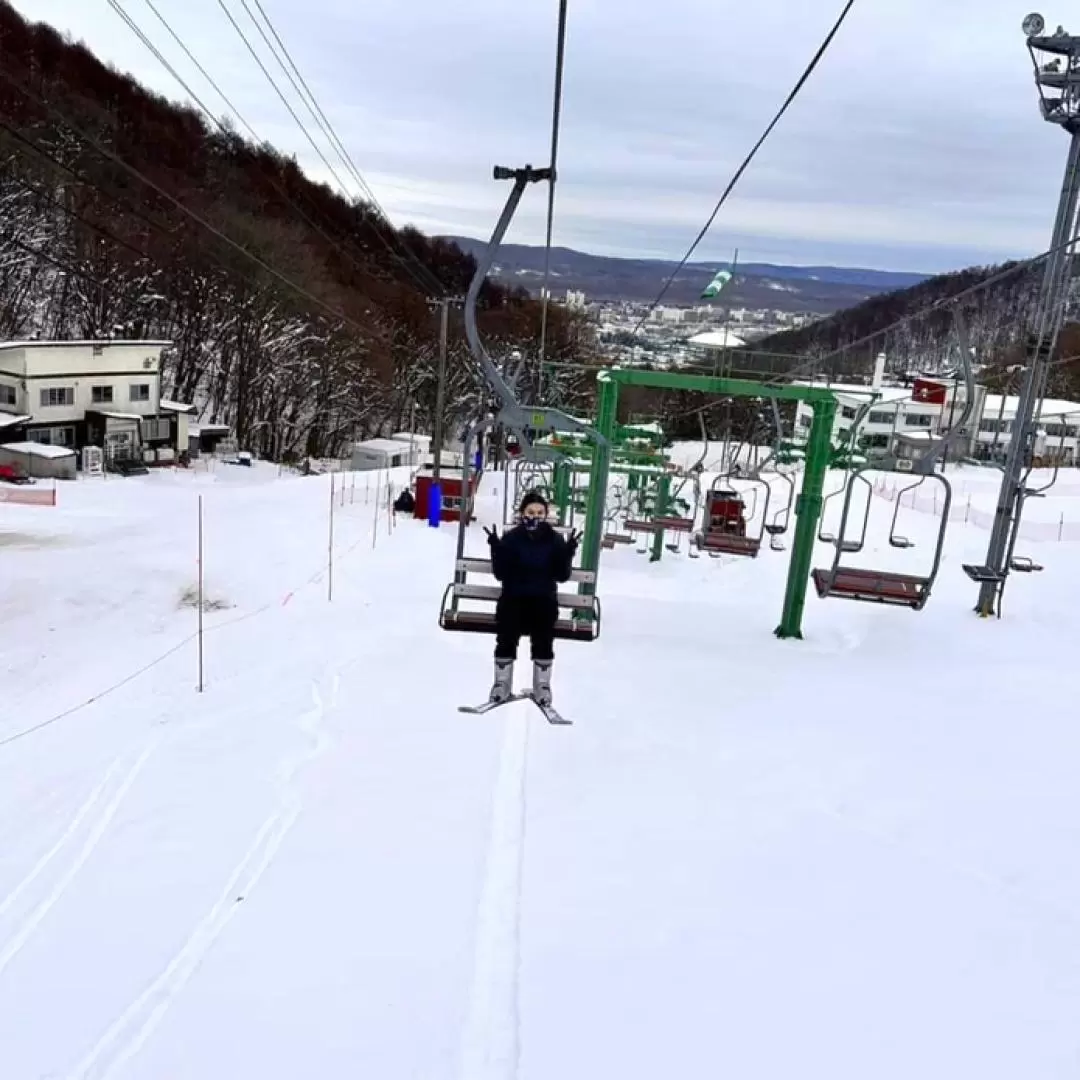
(722, 387)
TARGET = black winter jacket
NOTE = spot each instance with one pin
(531, 563)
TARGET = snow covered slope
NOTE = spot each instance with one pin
(846, 857)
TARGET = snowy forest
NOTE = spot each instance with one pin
(914, 327)
(298, 317)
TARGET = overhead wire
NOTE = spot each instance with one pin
(792, 95)
(29, 249)
(420, 273)
(556, 115)
(219, 122)
(105, 151)
(942, 304)
(73, 213)
(320, 116)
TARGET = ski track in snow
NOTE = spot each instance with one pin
(116, 783)
(491, 1048)
(131, 1030)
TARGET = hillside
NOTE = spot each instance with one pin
(914, 327)
(818, 290)
(299, 317)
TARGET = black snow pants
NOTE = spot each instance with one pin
(532, 616)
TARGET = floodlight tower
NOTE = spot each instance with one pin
(1056, 58)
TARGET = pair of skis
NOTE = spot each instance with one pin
(551, 714)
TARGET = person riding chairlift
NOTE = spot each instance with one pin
(530, 560)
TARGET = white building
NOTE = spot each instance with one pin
(710, 341)
(1056, 439)
(90, 393)
(932, 406)
(384, 454)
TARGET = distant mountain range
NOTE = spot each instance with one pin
(818, 290)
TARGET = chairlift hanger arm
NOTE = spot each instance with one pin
(522, 178)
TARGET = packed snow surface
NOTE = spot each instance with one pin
(847, 857)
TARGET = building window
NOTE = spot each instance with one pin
(7, 394)
(57, 397)
(156, 430)
(101, 395)
(917, 419)
(880, 417)
(877, 441)
(55, 436)
(139, 392)
(806, 421)
(848, 412)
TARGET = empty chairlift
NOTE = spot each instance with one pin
(887, 586)
(726, 526)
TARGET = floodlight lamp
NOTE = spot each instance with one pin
(1033, 25)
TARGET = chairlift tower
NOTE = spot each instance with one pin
(1056, 58)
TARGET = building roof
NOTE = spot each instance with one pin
(1052, 408)
(175, 406)
(12, 419)
(386, 446)
(69, 344)
(35, 449)
(110, 415)
(887, 395)
(717, 339)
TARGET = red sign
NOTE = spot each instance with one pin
(927, 392)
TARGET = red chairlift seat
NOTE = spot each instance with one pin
(725, 543)
(673, 523)
(876, 586)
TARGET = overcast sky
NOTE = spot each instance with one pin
(916, 145)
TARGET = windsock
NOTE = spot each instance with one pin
(717, 283)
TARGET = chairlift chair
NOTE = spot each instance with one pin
(782, 518)
(840, 540)
(895, 539)
(522, 421)
(724, 529)
(583, 606)
(886, 586)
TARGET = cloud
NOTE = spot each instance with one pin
(917, 144)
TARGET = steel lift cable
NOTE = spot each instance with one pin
(792, 95)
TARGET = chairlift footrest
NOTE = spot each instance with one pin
(984, 575)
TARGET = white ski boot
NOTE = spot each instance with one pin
(502, 689)
(541, 688)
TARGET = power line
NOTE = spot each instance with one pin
(187, 211)
(60, 265)
(125, 208)
(556, 115)
(278, 187)
(423, 280)
(328, 130)
(71, 212)
(792, 95)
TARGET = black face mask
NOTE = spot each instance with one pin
(531, 523)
